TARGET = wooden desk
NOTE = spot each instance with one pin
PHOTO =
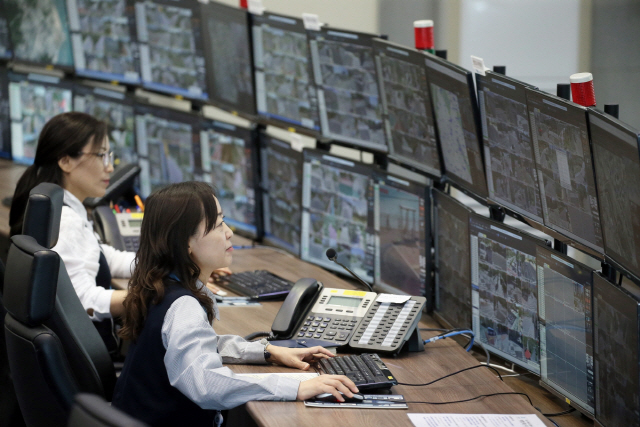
(10, 173)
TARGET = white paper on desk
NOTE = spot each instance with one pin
(394, 299)
(300, 376)
(476, 420)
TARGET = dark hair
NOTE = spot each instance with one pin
(64, 135)
(171, 216)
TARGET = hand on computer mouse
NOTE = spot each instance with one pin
(336, 385)
(328, 397)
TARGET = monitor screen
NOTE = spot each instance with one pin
(103, 40)
(505, 291)
(337, 198)
(228, 162)
(616, 319)
(117, 110)
(5, 42)
(165, 140)
(406, 105)
(229, 64)
(563, 162)
(347, 81)
(39, 32)
(171, 55)
(617, 164)
(285, 92)
(452, 261)
(33, 100)
(508, 151)
(402, 223)
(282, 197)
(5, 122)
(566, 327)
(454, 105)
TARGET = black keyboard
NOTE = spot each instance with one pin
(367, 370)
(258, 284)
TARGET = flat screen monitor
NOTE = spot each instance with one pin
(227, 45)
(616, 319)
(402, 223)
(452, 261)
(347, 81)
(453, 99)
(5, 121)
(165, 140)
(508, 151)
(566, 328)
(117, 110)
(285, 93)
(104, 41)
(504, 291)
(171, 53)
(617, 165)
(282, 197)
(406, 107)
(39, 32)
(33, 100)
(5, 42)
(337, 201)
(564, 168)
(228, 161)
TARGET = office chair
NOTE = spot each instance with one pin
(91, 410)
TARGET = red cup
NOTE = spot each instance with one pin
(423, 32)
(582, 90)
(244, 4)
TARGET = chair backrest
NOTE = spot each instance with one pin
(91, 410)
(42, 215)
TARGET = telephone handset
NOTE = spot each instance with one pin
(120, 230)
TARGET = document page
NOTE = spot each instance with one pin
(476, 420)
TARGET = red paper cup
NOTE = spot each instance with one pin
(423, 31)
(582, 89)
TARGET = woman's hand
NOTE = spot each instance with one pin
(333, 384)
(214, 277)
(297, 357)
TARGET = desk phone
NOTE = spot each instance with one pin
(120, 230)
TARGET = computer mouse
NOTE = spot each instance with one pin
(328, 397)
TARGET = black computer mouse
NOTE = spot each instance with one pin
(328, 397)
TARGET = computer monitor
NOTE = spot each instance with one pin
(39, 32)
(508, 151)
(104, 40)
(453, 99)
(5, 42)
(616, 319)
(228, 160)
(566, 328)
(337, 201)
(406, 107)
(402, 223)
(282, 196)
(227, 46)
(165, 139)
(285, 93)
(504, 291)
(117, 110)
(452, 305)
(33, 100)
(347, 81)
(617, 165)
(564, 168)
(171, 53)
(5, 121)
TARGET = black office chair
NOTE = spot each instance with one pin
(91, 410)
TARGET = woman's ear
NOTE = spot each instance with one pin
(65, 164)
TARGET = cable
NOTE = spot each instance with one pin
(452, 374)
(553, 422)
(450, 334)
(477, 397)
(557, 414)
(434, 330)
(254, 335)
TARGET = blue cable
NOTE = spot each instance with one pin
(452, 334)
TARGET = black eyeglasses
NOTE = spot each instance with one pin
(107, 158)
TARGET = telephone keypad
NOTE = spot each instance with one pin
(338, 328)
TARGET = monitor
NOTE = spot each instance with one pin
(508, 151)
(337, 201)
(5, 121)
(617, 165)
(564, 168)
(33, 100)
(228, 160)
(104, 41)
(347, 82)
(402, 224)
(117, 110)
(452, 305)
(165, 140)
(566, 328)
(504, 291)
(616, 319)
(282, 196)
(229, 64)
(285, 93)
(171, 53)
(5, 42)
(39, 32)
(406, 107)
(453, 99)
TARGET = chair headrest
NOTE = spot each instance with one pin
(42, 216)
(31, 280)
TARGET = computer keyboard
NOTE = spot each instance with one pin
(367, 370)
(258, 284)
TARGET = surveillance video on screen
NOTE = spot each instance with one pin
(5, 45)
